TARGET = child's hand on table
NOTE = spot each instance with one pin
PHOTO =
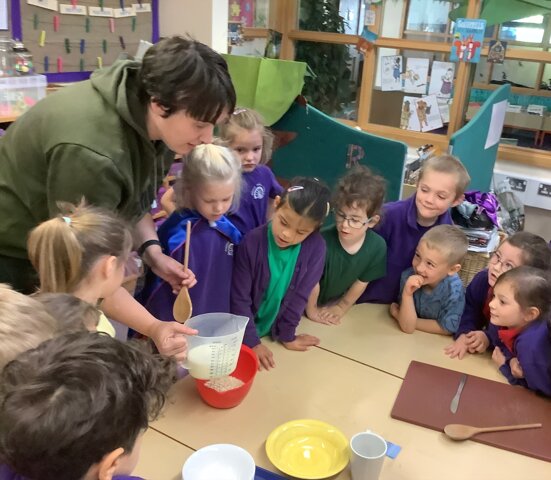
(458, 348)
(265, 357)
(413, 283)
(331, 315)
(316, 315)
(302, 342)
(498, 357)
(394, 310)
(477, 341)
(516, 369)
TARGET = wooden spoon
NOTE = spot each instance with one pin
(182, 305)
(456, 431)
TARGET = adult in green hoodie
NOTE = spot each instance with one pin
(110, 140)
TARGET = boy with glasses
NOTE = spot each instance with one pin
(355, 254)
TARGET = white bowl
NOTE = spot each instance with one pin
(219, 462)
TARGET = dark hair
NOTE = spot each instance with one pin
(535, 250)
(308, 197)
(531, 286)
(75, 398)
(362, 187)
(179, 73)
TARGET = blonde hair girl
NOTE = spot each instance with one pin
(208, 188)
(247, 136)
(82, 251)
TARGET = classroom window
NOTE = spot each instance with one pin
(336, 16)
(251, 13)
(526, 30)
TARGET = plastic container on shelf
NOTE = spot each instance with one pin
(6, 57)
(23, 59)
(18, 94)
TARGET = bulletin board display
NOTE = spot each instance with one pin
(70, 39)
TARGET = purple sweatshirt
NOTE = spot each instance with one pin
(533, 350)
(402, 233)
(259, 186)
(251, 277)
(7, 474)
(473, 317)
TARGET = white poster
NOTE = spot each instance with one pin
(496, 123)
(3, 14)
(420, 114)
(441, 79)
(416, 75)
(391, 73)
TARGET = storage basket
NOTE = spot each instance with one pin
(474, 262)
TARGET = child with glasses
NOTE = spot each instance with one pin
(355, 254)
(522, 248)
(431, 292)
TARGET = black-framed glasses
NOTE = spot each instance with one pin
(495, 258)
(352, 222)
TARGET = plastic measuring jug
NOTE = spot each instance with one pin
(214, 351)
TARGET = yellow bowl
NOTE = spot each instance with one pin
(308, 449)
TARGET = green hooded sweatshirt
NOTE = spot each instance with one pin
(86, 141)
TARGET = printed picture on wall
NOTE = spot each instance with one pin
(416, 75)
(391, 73)
(441, 79)
(420, 114)
(444, 105)
(468, 37)
(496, 51)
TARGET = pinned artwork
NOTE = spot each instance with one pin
(496, 51)
(441, 79)
(420, 114)
(47, 4)
(468, 39)
(391, 73)
(416, 75)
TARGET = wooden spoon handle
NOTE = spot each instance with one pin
(188, 241)
(510, 427)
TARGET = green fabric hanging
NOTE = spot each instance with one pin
(265, 84)
(500, 11)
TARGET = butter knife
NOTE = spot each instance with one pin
(455, 399)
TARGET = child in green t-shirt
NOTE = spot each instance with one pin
(356, 254)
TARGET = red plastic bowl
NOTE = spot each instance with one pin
(247, 366)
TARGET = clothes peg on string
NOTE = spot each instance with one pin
(133, 24)
(56, 23)
(74, 4)
(100, 62)
(46, 63)
(104, 46)
(121, 41)
(82, 64)
(112, 25)
(87, 25)
(82, 45)
(59, 64)
(67, 45)
(42, 39)
(101, 4)
(122, 5)
(35, 21)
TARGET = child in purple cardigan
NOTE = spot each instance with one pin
(441, 185)
(522, 248)
(77, 406)
(277, 266)
(519, 330)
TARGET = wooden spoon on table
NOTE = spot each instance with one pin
(456, 431)
(182, 306)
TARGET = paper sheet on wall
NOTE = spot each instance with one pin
(496, 124)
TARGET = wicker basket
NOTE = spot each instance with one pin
(474, 262)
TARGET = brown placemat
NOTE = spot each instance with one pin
(427, 392)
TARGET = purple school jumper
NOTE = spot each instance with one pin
(259, 186)
(402, 233)
(7, 474)
(533, 351)
(473, 317)
(210, 258)
(251, 277)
